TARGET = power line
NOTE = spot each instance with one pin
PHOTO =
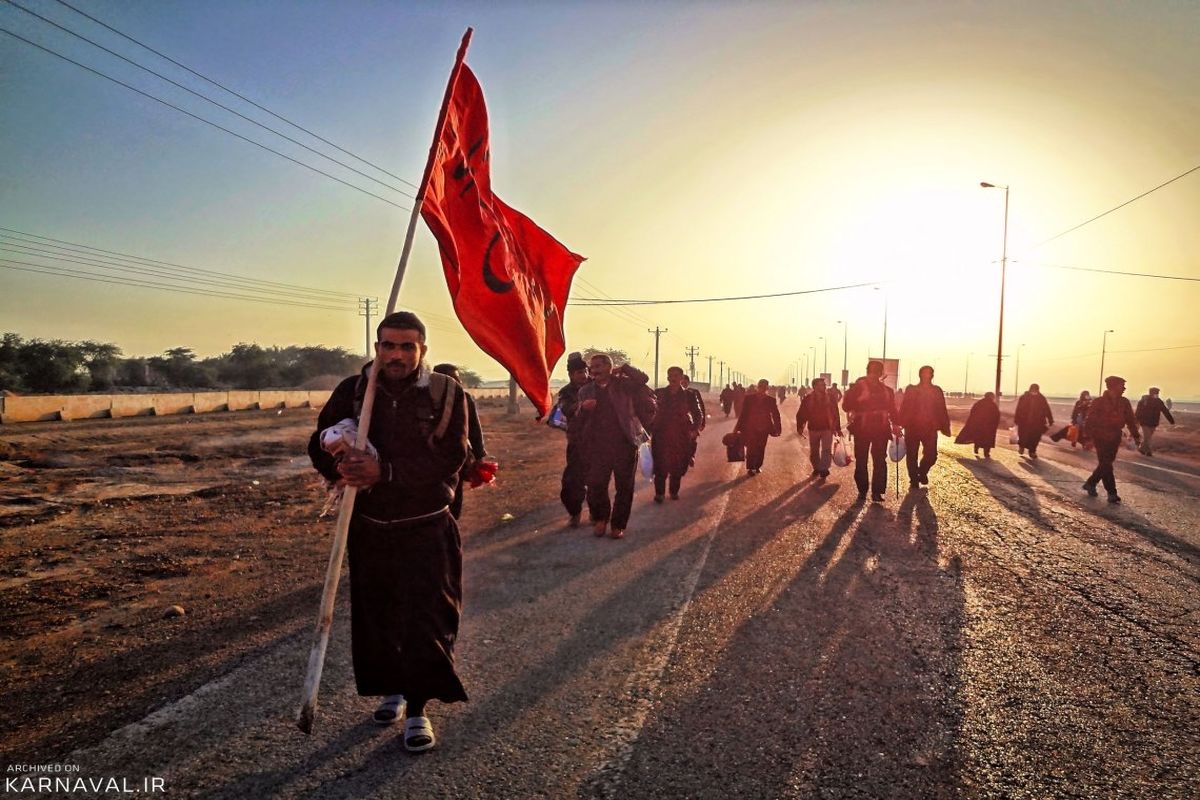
(201, 119)
(207, 99)
(1117, 208)
(237, 95)
(91, 276)
(593, 302)
(117, 280)
(129, 264)
(1108, 271)
(1158, 349)
(158, 273)
(330, 296)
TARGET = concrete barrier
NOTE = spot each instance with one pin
(129, 405)
(43, 408)
(205, 402)
(242, 400)
(87, 407)
(273, 399)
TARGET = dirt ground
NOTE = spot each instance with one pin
(105, 525)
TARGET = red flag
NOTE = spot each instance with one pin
(508, 278)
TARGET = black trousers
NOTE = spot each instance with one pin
(574, 480)
(927, 441)
(405, 604)
(756, 448)
(618, 462)
(661, 482)
(1106, 454)
(876, 448)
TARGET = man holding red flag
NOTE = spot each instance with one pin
(508, 278)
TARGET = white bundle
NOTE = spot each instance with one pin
(339, 438)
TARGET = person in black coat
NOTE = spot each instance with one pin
(574, 484)
(677, 424)
(980, 429)
(1033, 418)
(872, 408)
(758, 420)
(923, 414)
(1109, 413)
(1149, 409)
(819, 410)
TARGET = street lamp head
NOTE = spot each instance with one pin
(987, 185)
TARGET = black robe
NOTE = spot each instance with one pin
(981, 425)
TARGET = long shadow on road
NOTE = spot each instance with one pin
(841, 677)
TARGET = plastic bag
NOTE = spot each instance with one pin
(1013, 438)
(646, 460)
(840, 457)
(896, 449)
(557, 419)
(1072, 433)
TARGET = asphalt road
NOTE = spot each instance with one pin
(999, 635)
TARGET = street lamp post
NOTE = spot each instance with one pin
(966, 373)
(825, 357)
(814, 361)
(885, 310)
(1003, 272)
(1017, 371)
(1103, 350)
(845, 347)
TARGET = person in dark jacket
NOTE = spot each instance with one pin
(980, 428)
(758, 420)
(1033, 418)
(727, 399)
(1149, 409)
(404, 545)
(677, 423)
(574, 476)
(872, 408)
(1109, 413)
(611, 432)
(700, 412)
(923, 414)
(476, 452)
(1078, 417)
(819, 410)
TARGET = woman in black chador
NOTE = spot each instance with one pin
(1033, 418)
(982, 422)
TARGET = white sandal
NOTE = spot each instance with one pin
(390, 710)
(418, 735)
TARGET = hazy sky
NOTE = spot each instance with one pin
(686, 149)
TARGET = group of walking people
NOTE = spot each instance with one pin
(425, 441)
(610, 414)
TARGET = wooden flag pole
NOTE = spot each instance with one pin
(316, 657)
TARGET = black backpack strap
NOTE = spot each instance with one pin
(440, 389)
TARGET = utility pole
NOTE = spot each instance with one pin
(692, 352)
(658, 332)
(710, 360)
(367, 306)
(721, 379)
